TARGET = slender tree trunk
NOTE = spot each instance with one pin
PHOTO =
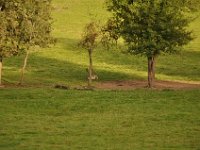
(151, 71)
(154, 68)
(23, 68)
(1, 66)
(116, 43)
(90, 68)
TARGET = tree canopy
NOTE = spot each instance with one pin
(152, 27)
(9, 28)
(23, 23)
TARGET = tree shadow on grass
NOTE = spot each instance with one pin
(67, 72)
(48, 71)
(184, 65)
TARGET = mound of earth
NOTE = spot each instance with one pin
(129, 85)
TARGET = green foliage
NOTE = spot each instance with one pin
(24, 23)
(8, 28)
(151, 27)
(90, 35)
(35, 21)
(190, 5)
(110, 33)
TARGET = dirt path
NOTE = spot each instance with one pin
(122, 85)
(128, 85)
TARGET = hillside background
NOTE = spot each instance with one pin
(65, 62)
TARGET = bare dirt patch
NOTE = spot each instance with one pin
(129, 85)
(116, 85)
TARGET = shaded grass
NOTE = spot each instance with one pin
(56, 119)
(55, 67)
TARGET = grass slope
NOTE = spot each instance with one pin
(66, 62)
(55, 119)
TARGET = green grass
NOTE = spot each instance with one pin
(45, 118)
(55, 119)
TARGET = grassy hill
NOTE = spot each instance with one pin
(66, 62)
(44, 118)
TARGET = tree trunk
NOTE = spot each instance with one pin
(151, 71)
(90, 68)
(1, 66)
(23, 68)
(116, 43)
(154, 68)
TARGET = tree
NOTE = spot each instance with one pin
(152, 27)
(89, 42)
(110, 33)
(8, 31)
(23, 24)
(192, 5)
(35, 27)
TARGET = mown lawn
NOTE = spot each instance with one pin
(115, 120)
